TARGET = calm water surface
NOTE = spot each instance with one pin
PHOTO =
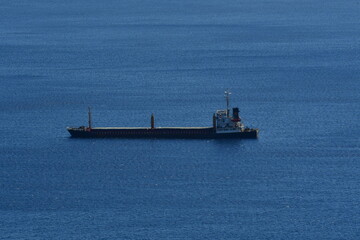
(293, 68)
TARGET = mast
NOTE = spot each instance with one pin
(214, 121)
(152, 121)
(227, 96)
(89, 116)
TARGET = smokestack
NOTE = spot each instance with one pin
(236, 114)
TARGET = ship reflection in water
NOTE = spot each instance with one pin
(224, 126)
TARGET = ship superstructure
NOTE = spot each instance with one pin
(225, 125)
(223, 122)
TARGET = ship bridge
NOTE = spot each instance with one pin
(223, 121)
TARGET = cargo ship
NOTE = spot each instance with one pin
(225, 125)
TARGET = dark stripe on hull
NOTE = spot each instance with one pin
(201, 133)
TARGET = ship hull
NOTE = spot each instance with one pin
(195, 133)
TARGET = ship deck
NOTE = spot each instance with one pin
(143, 128)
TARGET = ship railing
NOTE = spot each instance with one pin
(227, 129)
(81, 128)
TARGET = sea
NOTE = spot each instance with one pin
(293, 68)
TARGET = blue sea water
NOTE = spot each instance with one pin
(293, 68)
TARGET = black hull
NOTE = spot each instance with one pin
(195, 133)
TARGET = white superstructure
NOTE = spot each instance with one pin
(223, 122)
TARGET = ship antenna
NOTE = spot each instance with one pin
(227, 96)
(89, 115)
